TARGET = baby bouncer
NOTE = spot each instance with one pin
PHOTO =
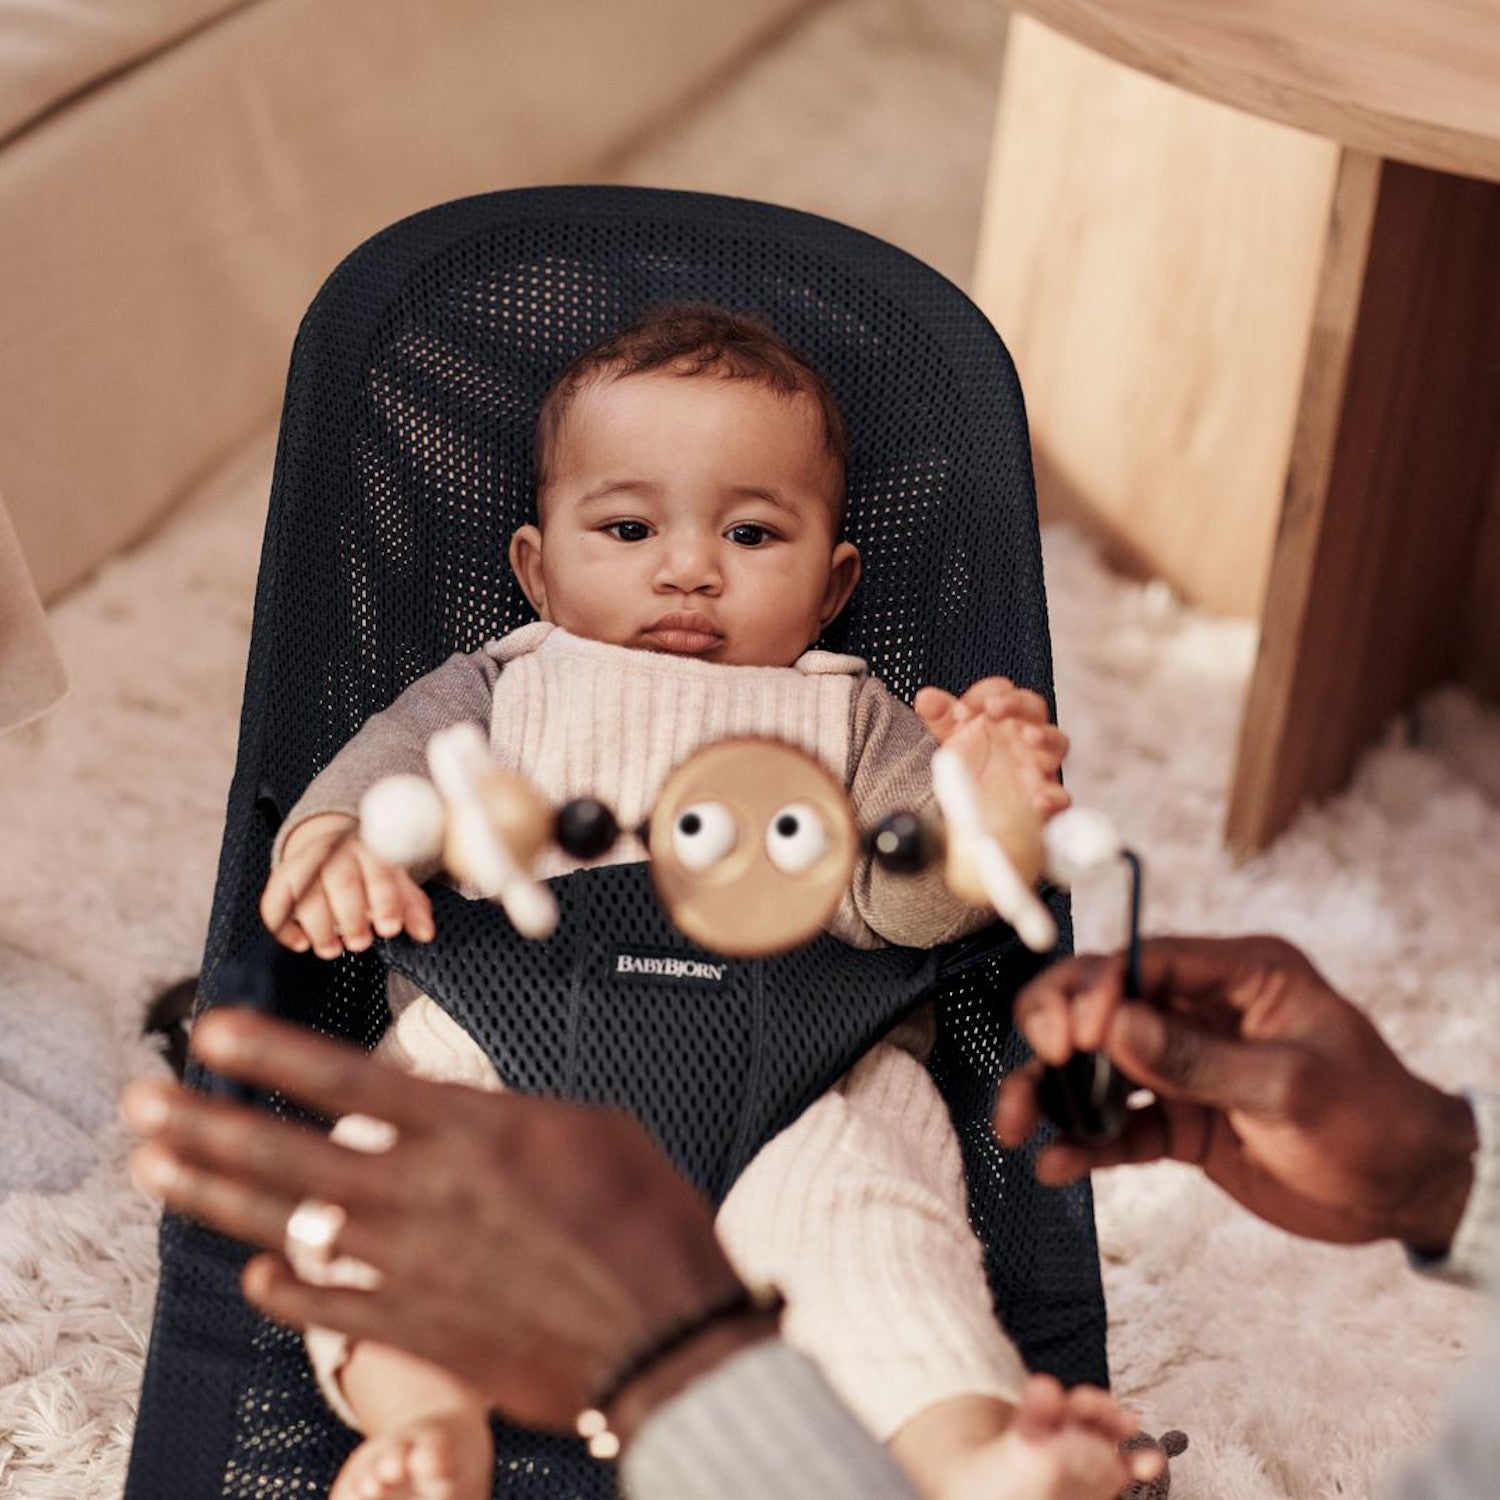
(403, 466)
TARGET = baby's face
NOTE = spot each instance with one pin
(692, 515)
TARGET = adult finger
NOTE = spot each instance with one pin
(334, 1078)
(279, 1159)
(387, 1314)
(1017, 1112)
(1157, 1132)
(257, 1210)
(252, 1213)
(272, 1286)
(1178, 1058)
(1066, 1008)
(1226, 975)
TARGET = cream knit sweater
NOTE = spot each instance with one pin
(858, 1209)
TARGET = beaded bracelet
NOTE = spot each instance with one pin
(592, 1425)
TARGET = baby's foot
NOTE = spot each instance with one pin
(1059, 1446)
(444, 1457)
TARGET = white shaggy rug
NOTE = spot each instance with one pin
(1298, 1371)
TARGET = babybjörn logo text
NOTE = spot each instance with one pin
(666, 966)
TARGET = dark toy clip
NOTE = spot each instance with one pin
(251, 980)
(1086, 1097)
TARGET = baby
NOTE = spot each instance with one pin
(690, 493)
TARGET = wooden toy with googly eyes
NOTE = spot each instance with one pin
(752, 841)
(996, 851)
(484, 824)
(752, 846)
(995, 848)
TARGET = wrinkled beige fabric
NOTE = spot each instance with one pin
(31, 673)
(51, 50)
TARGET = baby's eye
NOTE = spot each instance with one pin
(748, 534)
(796, 838)
(703, 834)
(628, 531)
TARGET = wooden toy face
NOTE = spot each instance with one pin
(752, 847)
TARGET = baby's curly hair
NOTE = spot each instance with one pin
(695, 338)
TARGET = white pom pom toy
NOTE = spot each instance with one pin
(401, 820)
(1080, 842)
(486, 825)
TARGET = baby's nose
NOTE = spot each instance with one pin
(689, 564)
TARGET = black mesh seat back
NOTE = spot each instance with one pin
(404, 465)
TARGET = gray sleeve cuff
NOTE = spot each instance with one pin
(1473, 1256)
(395, 739)
(764, 1424)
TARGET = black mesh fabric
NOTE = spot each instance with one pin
(713, 1066)
(402, 468)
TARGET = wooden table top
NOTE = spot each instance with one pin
(1417, 80)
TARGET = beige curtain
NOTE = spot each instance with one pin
(31, 672)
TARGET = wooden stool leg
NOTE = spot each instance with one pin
(1376, 587)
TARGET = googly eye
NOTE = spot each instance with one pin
(796, 838)
(703, 834)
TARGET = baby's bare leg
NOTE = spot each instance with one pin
(427, 1433)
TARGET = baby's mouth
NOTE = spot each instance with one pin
(684, 633)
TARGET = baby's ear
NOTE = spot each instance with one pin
(843, 574)
(526, 564)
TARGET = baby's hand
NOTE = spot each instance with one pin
(330, 894)
(1061, 1445)
(995, 717)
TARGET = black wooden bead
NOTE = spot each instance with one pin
(585, 828)
(901, 843)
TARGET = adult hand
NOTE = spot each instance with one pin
(1278, 1088)
(527, 1245)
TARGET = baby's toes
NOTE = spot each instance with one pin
(376, 1470)
(435, 1472)
(449, 1465)
(391, 1476)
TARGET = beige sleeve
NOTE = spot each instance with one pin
(858, 1212)
(395, 740)
(891, 771)
(423, 1039)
